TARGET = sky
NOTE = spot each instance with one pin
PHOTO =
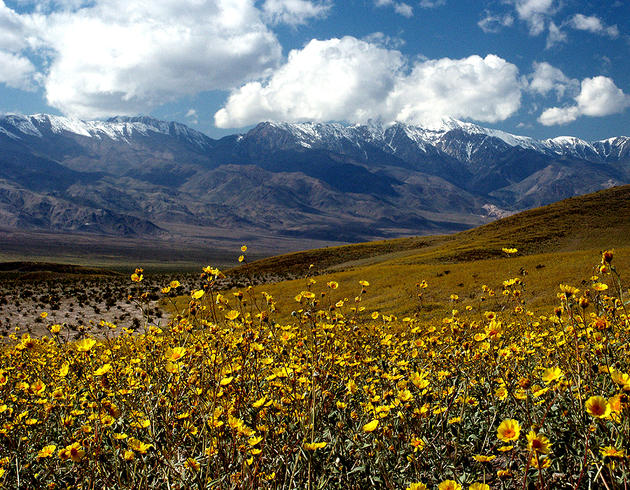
(541, 68)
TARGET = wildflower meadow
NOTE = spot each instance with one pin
(224, 395)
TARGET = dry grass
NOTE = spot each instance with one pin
(556, 244)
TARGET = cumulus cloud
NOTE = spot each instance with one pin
(17, 71)
(547, 78)
(295, 12)
(593, 24)
(484, 89)
(494, 23)
(352, 80)
(13, 32)
(559, 115)
(537, 14)
(337, 79)
(124, 57)
(401, 8)
(599, 96)
(112, 57)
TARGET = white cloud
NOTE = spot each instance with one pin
(124, 57)
(429, 4)
(47, 6)
(382, 39)
(295, 12)
(17, 71)
(538, 15)
(401, 8)
(559, 115)
(494, 23)
(599, 96)
(119, 57)
(547, 78)
(555, 35)
(12, 30)
(352, 80)
(535, 13)
(484, 89)
(337, 79)
(192, 116)
(593, 24)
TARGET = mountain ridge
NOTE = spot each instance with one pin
(121, 126)
(324, 181)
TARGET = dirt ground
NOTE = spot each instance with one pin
(33, 302)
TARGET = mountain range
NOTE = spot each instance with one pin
(141, 177)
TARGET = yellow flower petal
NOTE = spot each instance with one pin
(370, 426)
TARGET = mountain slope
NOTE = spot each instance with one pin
(593, 221)
(557, 244)
(329, 182)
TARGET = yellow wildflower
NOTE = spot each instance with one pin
(449, 485)
(612, 452)
(598, 406)
(538, 443)
(47, 451)
(509, 430)
(103, 369)
(479, 486)
(314, 446)
(175, 353)
(85, 345)
(138, 445)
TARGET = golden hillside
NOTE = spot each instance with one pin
(556, 243)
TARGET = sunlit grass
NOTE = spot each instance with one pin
(395, 281)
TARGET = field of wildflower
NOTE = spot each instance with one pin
(224, 396)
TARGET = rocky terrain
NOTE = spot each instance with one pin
(140, 178)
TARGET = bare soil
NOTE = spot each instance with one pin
(35, 296)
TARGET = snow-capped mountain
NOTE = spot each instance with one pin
(319, 180)
(461, 140)
(458, 139)
(120, 128)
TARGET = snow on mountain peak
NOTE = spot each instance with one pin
(117, 128)
(317, 135)
(448, 135)
(459, 139)
(571, 146)
(23, 124)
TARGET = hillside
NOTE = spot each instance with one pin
(556, 243)
(601, 219)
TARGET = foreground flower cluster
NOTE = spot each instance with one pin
(225, 397)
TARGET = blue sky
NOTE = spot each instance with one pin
(541, 68)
